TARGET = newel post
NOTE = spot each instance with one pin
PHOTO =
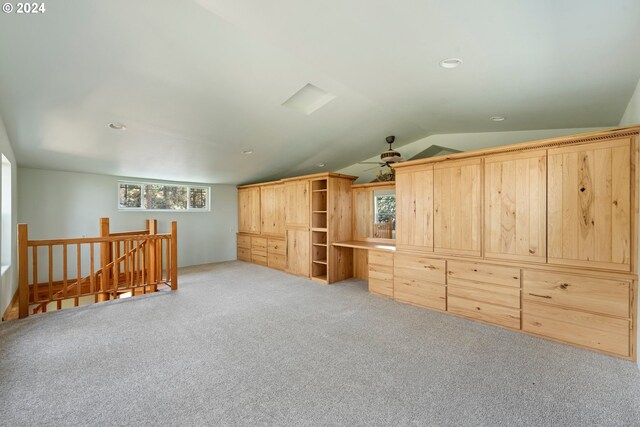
(105, 258)
(174, 255)
(23, 271)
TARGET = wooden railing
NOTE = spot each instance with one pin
(132, 262)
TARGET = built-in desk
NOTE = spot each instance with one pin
(361, 257)
(366, 245)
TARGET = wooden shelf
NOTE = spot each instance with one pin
(320, 261)
(324, 212)
(322, 278)
(319, 191)
(320, 244)
(319, 229)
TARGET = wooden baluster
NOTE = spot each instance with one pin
(168, 260)
(115, 259)
(147, 266)
(105, 255)
(34, 261)
(50, 296)
(174, 255)
(76, 301)
(116, 279)
(64, 275)
(92, 278)
(152, 278)
(23, 271)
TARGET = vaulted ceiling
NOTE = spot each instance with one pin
(198, 82)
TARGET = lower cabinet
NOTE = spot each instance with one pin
(381, 273)
(266, 251)
(244, 248)
(276, 257)
(298, 252)
(259, 250)
(419, 280)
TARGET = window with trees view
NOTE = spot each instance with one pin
(154, 196)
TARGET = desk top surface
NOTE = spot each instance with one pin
(366, 245)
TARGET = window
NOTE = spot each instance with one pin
(385, 207)
(156, 196)
(5, 221)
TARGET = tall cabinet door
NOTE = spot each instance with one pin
(414, 209)
(296, 203)
(515, 206)
(249, 210)
(590, 205)
(298, 250)
(272, 204)
(457, 207)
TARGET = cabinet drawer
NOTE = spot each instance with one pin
(486, 273)
(258, 257)
(244, 242)
(416, 267)
(605, 296)
(381, 286)
(277, 261)
(509, 317)
(381, 258)
(276, 246)
(419, 292)
(259, 243)
(381, 272)
(485, 292)
(586, 329)
(244, 254)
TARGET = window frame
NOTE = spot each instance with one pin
(143, 185)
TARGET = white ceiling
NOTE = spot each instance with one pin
(197, 82)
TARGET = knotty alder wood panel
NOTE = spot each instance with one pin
(414, 209)
(249, 210)
(296, 203)
(457, 207)
(515, 221)
(590, 205)
(272, 203)
(298, 252)
(363, 213)
(420, 281)
(381, 273)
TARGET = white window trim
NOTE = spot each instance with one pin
(143, 184)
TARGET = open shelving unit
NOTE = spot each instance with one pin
(319, 247)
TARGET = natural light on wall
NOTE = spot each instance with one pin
(5, 226)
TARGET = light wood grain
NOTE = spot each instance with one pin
(414, 209)
(491, 313)
(271, 209)
(298, 252)
(249, 210)
(297, 203)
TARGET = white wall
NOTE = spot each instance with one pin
(9, 280)
(462, 142)
(67, 204)
(632, 117)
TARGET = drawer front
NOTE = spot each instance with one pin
(381, 272)
(381, 258)
(498, 315)
(244, 254)
(277, 261)
(244, 242)
(604, 296)
(416, 267)
(485, 292)
(259, 243)
(586, 329)
(381, 287)
(486, 273)
(419, 292)
(275, 246)
(258, 257)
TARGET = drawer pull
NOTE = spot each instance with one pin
(540, 296)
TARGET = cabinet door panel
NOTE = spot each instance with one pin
(457, 209)
(249, 210)
(516, 206)
(590, 205)
(296, 203)
(298, 251)
(414, 209)
(272, 204)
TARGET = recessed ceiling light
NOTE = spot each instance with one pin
(497, 119)
(117, 126)
(450, 63)
(321, 165)
(247, 151)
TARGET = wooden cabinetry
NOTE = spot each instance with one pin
(590, 205)
(276, 250)
(272, 206)
(381, 273)
(249, 210)
(420, 280)
(296, 203)
(414, 209)
(244, 248)
(515, 200)
(457, 207)
(297, 253)
(259, 250)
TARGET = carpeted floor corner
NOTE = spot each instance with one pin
(241, 344)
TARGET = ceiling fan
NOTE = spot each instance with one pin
(388, 157)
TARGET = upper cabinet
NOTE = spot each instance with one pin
(414, 208)
(590, 205)
(457, 207)
(249, 210)
(272, 202)
(296, 203)
(515, 200)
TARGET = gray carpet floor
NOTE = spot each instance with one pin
(240, 344)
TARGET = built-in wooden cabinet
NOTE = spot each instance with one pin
(590, 207)
(297, 253)
(414, 209)
(276, 254)
(296, 203)
(457, 207)
(271, 209)
(259, 250)
(515, 206)
(420, 280)
(381, 273)
(249, 210)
